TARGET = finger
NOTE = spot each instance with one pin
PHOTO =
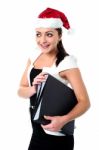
(46, 126)
(48, 117)
(37, 82)
(45, 75)
(40, 78)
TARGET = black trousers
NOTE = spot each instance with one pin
(51, 142)
(42, 141)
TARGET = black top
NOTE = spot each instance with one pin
(37, 129)
(33, 73)
(41, 140)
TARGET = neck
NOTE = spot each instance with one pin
(51, 54)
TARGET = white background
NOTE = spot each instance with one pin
(16, 42)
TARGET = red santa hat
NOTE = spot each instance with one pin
(52, 18)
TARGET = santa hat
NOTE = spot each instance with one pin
(52, 18)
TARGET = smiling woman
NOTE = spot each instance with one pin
(52, 58)
(47, 39)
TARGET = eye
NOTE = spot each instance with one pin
(49, 34)
(38, 34)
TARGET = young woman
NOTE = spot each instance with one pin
(52, 58)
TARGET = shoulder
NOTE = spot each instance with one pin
(68, 62)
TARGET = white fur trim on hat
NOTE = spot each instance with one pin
(48, 23)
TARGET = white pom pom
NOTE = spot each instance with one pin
(70, 31)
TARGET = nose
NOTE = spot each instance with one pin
(43, 39)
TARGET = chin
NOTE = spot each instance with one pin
(45, 50)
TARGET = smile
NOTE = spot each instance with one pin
(44, 46)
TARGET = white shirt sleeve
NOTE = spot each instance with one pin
(69, 62)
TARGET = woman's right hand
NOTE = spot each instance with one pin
(28, 91)
(39, 79)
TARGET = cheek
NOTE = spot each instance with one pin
(55, 42)
(37, 41)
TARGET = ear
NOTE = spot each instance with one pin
(60, 38)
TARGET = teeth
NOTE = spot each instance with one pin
(45, 46)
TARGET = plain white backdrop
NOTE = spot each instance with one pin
(17, 42)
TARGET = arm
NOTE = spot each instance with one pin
(76, 81)
(25, 90)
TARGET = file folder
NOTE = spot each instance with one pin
(55, 99)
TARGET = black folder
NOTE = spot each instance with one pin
(55, 99)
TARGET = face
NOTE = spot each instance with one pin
(47, 39)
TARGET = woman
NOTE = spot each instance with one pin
(52, 58)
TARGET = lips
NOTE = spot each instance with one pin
(44, 46)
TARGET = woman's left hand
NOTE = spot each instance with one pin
(55, 125)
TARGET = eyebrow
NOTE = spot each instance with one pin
(45, 32)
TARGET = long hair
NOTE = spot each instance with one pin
(61, 50)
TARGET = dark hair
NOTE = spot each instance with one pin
(61, 51)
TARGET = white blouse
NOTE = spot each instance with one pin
(68, 62)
